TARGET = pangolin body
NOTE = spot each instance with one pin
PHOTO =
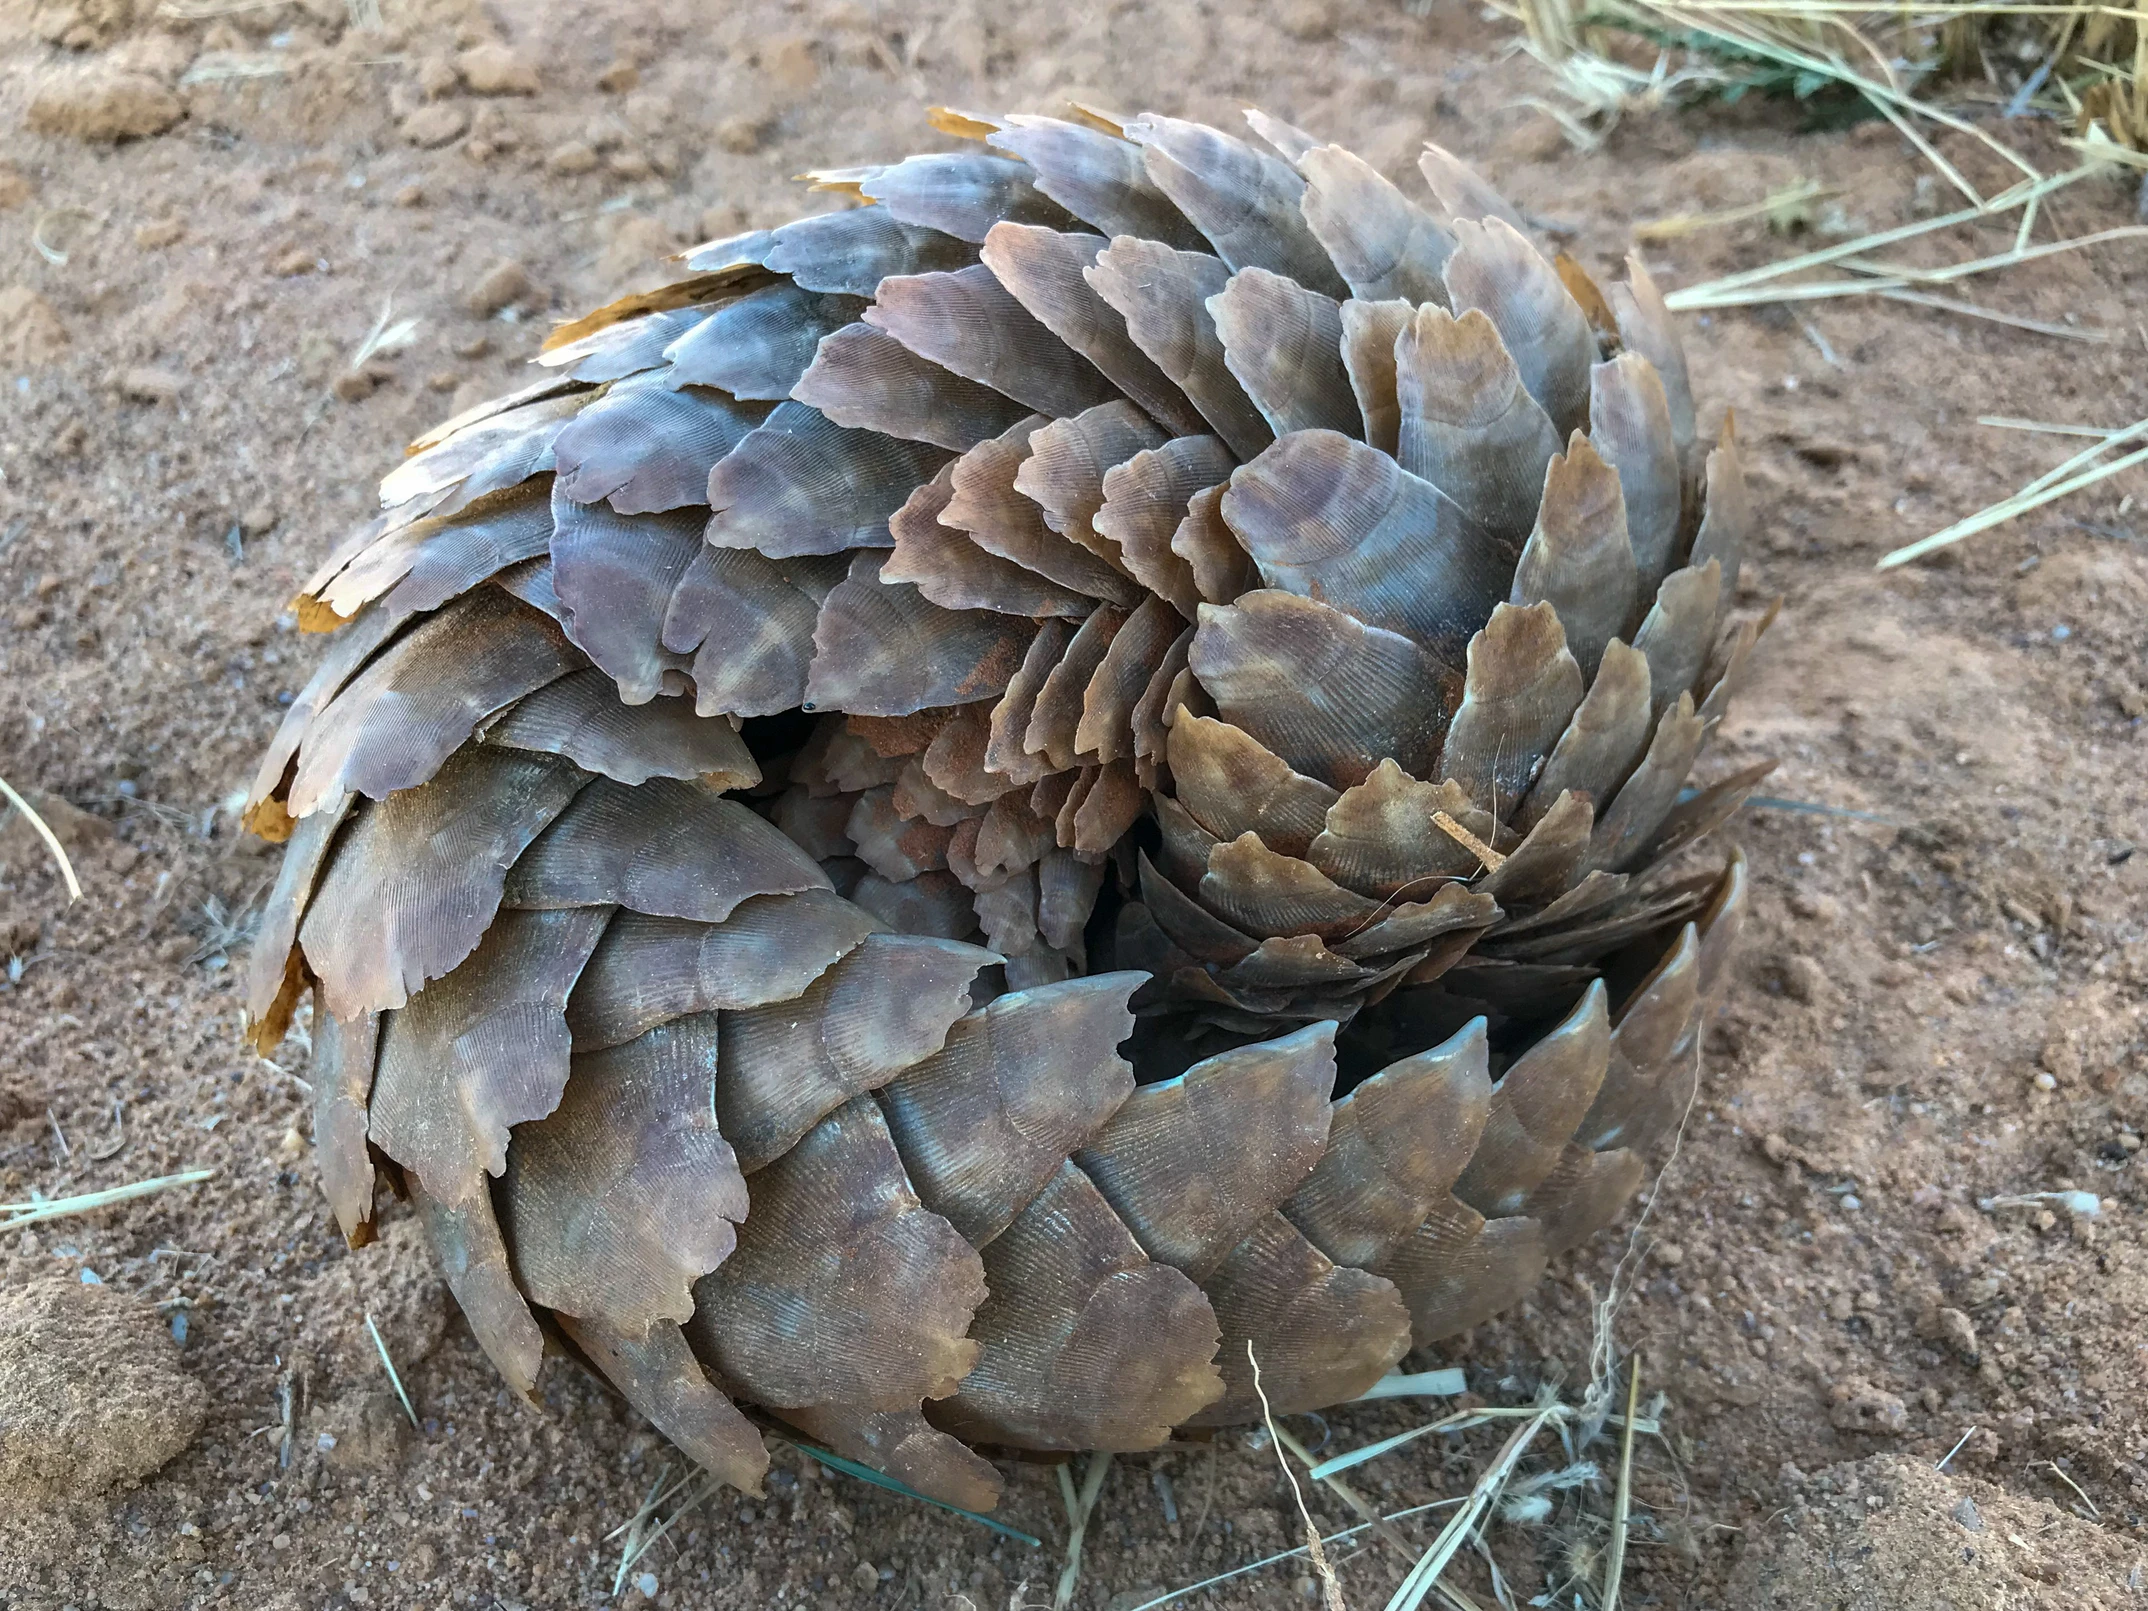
(1005, 794)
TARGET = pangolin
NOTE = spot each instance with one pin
(1003, 799)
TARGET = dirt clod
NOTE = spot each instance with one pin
(99, 104)
(436, 124)
(497, 69)
(506, 284)
(145, 383)
(1892, 1534)
(30, 329)
(90, 1392)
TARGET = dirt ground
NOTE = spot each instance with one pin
(1941, 1000)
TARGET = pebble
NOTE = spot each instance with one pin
(628, 163)
(98, 104)
(159, 233)
(1955, 1330)
(575, 157)
(435, 125)
(295, 262)
(1803, 979)
(503, 285)
(145, 384)
(618, 78)
(437, 78)
(259, 520)
(742, 136)
(497, 69)
(866, 1576)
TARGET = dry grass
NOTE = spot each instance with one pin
(43, 830)
(2079, 63)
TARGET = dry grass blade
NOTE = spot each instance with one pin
(1423, 1384)
(1452, 1423)
(395, 1377)
(1336, 1537)
(1622, 1502)
(1079, 1509)
(44, 831)
(1419, 1584)
(1970, 310)
(2046, 489)
(1331, 1589)
(640, 1545)
(1347, 1494)
(1491, 858)
(1775, 205)
(2007, 422)
(385, 339)
(31, 1213)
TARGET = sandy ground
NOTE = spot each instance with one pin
(1941, 1003)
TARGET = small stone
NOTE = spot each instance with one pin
(628, 163)
(742, 136)
(618, 78)
(146, 384)
(505, 285)
(442, 380)
(1815, 908)
(355, 385)
(1803, 979)
(1965, 1514)
(1670, 1255)
(159, 233)
(2129, 1141)
(434, 125)
(497, 69)
(1952, 1328)
(410, 196)
(1541, 139)
(2061, 1059)
(31, 333)
(437, 78)
(15, 190)
(295, 262)
(866, 1576)
(575, 157)
(478, 346)
(99, 104)
(259, 520)
(1867, 1409)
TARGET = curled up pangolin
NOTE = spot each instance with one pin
(1005, 790)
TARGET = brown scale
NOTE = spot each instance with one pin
(1278, 615)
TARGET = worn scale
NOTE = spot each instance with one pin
(1005, 790)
